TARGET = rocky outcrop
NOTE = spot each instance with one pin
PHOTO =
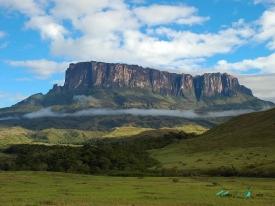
(86, 75)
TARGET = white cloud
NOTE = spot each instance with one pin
(110, 31)
(41, 68)
(113, 31)
(164, 14)
(267, 28)
(262, 86)
(264, 1)
(136, 47)
(11, 97)
(138, 1)
(47, 112)
(264, 64)
(35, 10)
(71, 9)
(27, 7)
(47, 27)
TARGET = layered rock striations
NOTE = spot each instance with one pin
(86, 75)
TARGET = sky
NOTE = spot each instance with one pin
(40, 38)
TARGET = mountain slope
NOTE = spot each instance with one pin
(249, 130)
(246, 142)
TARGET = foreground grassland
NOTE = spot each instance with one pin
(47, 188)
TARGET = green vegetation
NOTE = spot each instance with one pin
(63, 136)
(86, 159)
(48, 188)
(150, 167)
(19, 135)
(130, 131)
(108, 156)
(14, 135)
(242, 146)
(119, 132)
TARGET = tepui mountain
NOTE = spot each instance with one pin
(115, 85)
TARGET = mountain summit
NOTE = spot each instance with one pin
(89, 75)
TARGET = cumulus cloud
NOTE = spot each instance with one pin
(42, 68)
(264, 64)
(164, 14)
(47, 112)
(267, 28)
(113, 31)
(27, 7)
(47, 27)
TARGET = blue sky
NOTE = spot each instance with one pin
(39, 38)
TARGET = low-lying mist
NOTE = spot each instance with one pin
(47, 112)
(190, 114)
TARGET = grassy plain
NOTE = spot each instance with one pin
(48, 188)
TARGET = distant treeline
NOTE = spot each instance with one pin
(98, 157)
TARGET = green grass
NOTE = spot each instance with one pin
(246, 142)
(64, 136)
(184, 158)
(126, 131)
(14, 135)
(47, 188)
(19, 135)
(130, 131)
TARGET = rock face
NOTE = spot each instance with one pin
(85, 75)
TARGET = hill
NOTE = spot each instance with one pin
(72, 130)
(245, 143)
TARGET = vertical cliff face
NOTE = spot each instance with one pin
(217, 84)
(78, 76)
(93, 74)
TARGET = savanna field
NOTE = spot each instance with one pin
(49, 188)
